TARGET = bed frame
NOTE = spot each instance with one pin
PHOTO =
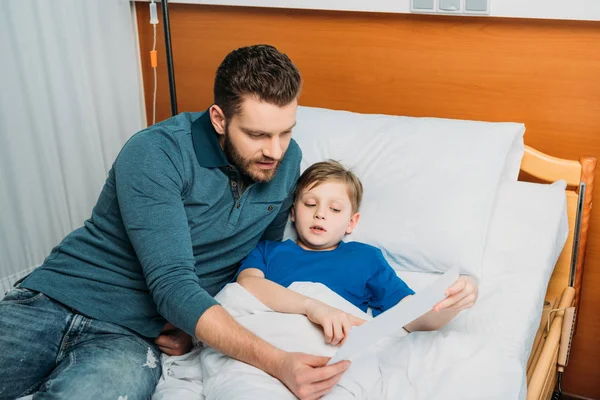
(565, 284)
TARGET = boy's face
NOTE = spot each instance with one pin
(256, 139)
(323, 216)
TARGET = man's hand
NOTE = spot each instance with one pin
(173, 341)
(336, 323)
(307, 376)
(460, 296)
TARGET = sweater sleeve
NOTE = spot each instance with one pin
(150, 180)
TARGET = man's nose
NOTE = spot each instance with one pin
(273, 149)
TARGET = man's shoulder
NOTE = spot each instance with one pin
(180, 123)
(161, 141)
(164, 134)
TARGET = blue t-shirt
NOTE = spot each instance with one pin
(356, 271)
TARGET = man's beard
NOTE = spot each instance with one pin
(244, 165)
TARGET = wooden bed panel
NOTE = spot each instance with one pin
(538, 383)
(588, 173)
(549, 169)
(562, 270)
(542, 73)
(540, 337)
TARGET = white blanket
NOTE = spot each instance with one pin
(422, 365)
(225, 378)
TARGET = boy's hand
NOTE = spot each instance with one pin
(336, 323)
(460, 296)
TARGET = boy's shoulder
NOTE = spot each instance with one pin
(268, 246)
(362, 247)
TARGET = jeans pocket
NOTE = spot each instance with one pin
(21, 295)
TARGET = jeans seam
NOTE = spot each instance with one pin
(30, 389)
(28, 300)
(65, 340)
(72, 360)
(85, 322)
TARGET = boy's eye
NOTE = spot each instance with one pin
(309, 204)
(335, 209)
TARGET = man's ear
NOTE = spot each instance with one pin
(293, 213)
(217, 118)
(353, 221)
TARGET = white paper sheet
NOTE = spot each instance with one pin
(391, 321)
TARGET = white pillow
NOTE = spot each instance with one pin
(527, 234)
(530, 224)
(485, 350)
(429, 183)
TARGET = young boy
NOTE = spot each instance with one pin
(325, 209)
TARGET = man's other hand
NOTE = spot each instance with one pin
(173, 341)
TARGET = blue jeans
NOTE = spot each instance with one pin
(50, 351)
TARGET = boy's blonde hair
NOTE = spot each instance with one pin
(327, 171)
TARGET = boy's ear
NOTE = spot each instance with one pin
(353, 221)
(293, 213)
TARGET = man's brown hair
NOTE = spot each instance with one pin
(259, 70)
(327, 171)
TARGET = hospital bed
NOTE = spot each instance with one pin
(445, 192)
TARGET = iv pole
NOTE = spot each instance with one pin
(167, 29)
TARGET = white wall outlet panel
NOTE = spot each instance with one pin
(423, 6)
(477, 7)
(449, 6)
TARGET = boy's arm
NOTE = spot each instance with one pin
(273, 295)
(388, 290)
(336, 323)
(251, 276)
(460, 296)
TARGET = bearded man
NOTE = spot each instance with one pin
(184, 202)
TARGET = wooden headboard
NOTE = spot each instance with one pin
(540, 72)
